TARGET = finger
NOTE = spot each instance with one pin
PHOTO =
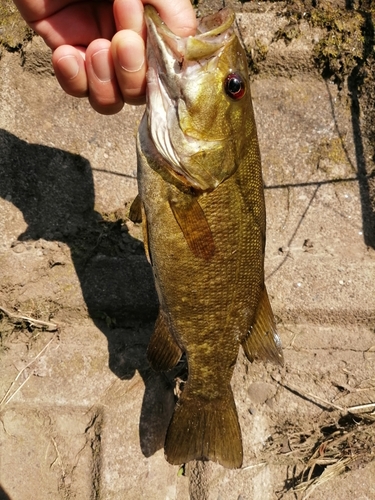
(78, 24)
(69, 65)
(129, 16)
(104, 93)
(179, 15)
(128, 53)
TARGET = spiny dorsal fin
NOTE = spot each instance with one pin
(263, 342)
(193, 223)
(135, 212)
(163, 353)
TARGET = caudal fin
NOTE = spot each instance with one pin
(203, 429)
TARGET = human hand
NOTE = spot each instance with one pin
(99, 46)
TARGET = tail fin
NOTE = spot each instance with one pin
(203, 429)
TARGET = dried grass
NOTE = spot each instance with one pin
(339, 451)
(344, 440)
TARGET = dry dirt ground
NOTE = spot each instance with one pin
(82, 416)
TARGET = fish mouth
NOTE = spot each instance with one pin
(212, 33)
(171, 60)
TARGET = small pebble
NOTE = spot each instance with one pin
(18, 248)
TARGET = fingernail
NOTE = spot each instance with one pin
(101, 66)
(131, 58)
(68, 66)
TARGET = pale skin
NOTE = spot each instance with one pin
(99, 45)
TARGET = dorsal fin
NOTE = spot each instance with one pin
(262, 341)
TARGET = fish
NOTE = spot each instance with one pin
(202, 208)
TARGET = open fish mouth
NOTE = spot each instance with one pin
(212, 33)
(172, 62)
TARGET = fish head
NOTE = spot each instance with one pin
(198, 99)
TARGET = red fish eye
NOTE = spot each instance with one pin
(234, 86)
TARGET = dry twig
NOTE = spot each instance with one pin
(9, 395)
(37, 323)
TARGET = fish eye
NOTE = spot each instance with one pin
(234, 86)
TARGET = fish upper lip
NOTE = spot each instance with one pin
(172, 55)
(205, 43)
(157, 28)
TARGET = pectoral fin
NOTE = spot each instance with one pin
(193, 223)
(145, 232)
(262, 341)
(163, 353)
(135, 212)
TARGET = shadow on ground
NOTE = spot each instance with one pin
(54, 190)
(356, 86)
(3, 495)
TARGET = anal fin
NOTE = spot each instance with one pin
(163, 352)
(263, 341)
(194, 226)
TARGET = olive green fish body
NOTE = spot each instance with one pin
(204, 226)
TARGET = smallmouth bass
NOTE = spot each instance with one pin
(202, 206)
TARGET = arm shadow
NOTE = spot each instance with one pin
(54, 190)
(3, 494)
